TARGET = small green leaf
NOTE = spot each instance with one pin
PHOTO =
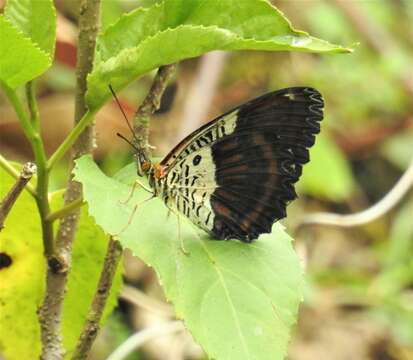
(22, 283)
(328, 174)
(36, 19)
(20, 60)
(165, 33)
(238, 300)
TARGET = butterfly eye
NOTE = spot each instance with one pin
(196, 160)
(146, 166)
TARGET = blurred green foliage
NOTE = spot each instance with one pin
(364, 96)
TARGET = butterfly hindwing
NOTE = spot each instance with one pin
(235, 176)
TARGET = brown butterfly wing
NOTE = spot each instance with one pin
(256, 160)
(259, 163)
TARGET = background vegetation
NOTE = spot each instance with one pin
(358, 301)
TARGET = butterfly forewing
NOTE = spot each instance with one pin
(235, 176)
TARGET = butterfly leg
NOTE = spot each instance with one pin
(134, 186)
(181, 239)
(135, 208)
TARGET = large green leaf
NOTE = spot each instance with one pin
(165, 33)
(20, 59)
(238, 300)
(22, 283)
(36, 19)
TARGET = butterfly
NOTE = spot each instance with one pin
(234, 176)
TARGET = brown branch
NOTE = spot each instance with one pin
(150, 105)
(91, 327)
(29, 169)
(59, 264)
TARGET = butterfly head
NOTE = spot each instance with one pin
(147, 168)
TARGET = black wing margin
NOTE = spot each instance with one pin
(258, 164)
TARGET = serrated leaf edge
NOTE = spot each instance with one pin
(52, 50)
(28, 39)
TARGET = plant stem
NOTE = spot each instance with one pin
(150, 105)
(29, 169)
(70, 139)
(33, 136)
(65, 210)
(42, 187)
(13, 172)
(21, 113)
(32, 104)
(82, 139)
(94, 316)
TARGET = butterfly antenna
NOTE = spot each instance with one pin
(128, 141)
(125, 117)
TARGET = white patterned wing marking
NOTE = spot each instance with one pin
(190, 180)
(189, 187)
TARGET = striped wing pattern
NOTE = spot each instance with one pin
(235, 176)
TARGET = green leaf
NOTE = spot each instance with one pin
(110, 12)
(238, 300)
(22, 283)
(20, 60)
(36, 19)
(165, 33)
(328, 174)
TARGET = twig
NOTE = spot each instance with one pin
(65, 210)
(150, 105)
(141, 337)
(70, 139)
(91, 327)
(383, 206)
(59, 264)
(13, 172)
(29, 169)
(201, 92)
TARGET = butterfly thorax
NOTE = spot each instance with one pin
(155, 173)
